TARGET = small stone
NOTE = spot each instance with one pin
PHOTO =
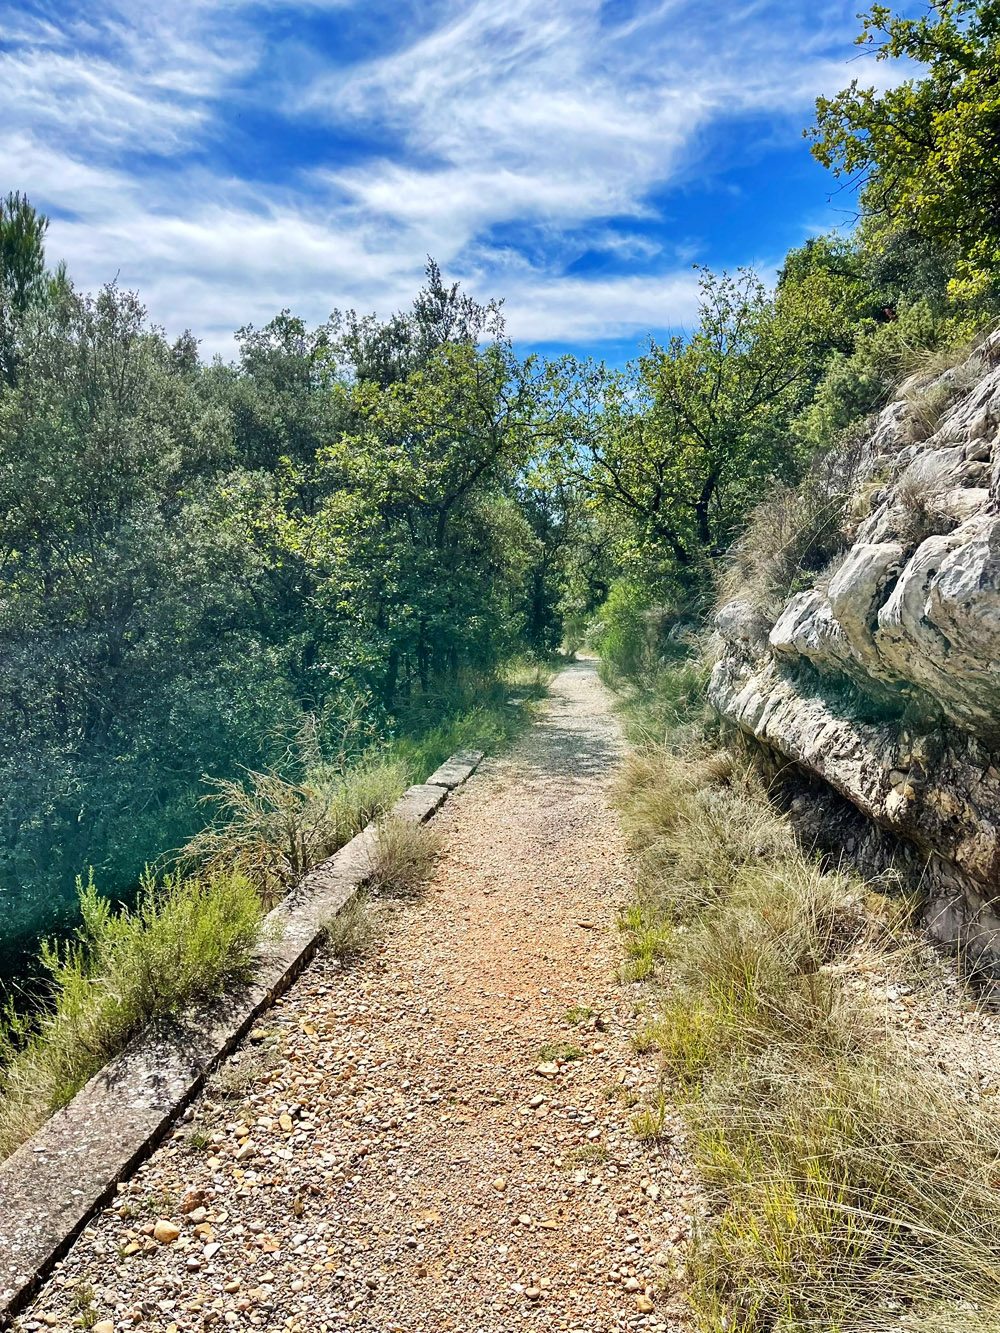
(103, 1326)
(231, 1286)
(632, 1284)
(166, 1232)
(212, 1249)
(643, 1304)
(193, 1200)
(533, 1293)
(246, 1150)
(500, 1184)
(547, 1069)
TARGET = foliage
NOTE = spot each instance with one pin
(199, 561)
(184, 938)
(22, 272)
(924, 150)
(675, 450)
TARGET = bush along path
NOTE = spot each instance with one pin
(435, 1129)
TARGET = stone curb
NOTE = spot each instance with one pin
(54, 1183)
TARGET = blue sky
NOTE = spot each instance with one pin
(229, 158)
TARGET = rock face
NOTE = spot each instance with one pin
(883, 678)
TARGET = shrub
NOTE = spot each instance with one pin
(185, 938)
(620, 633)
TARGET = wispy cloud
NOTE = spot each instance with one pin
(509, 138)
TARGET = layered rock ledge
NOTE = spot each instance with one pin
(882, 679)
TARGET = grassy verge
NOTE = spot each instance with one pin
(193, 930)
(846, 1188)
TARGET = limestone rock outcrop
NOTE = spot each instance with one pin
(883, 678)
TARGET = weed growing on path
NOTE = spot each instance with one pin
(560, 1051)
(404, 858)
(353, 931)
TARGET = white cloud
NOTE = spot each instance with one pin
(537, 114)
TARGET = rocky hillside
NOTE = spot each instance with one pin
(881, 680)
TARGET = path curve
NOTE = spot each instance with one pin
(408, 1169)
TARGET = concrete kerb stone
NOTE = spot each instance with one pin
(454, 771)
(53, 1184)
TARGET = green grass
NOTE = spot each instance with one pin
(560, 1050)
(648, 1124)
(846, 1187)
(185, 938)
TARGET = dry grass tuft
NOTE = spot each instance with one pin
(404, 858)
(354, 931)
(795, 535)
(930, 393)
(274, 831)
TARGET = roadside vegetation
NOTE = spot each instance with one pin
(192, 931)
(845, 1187)
(184, 938)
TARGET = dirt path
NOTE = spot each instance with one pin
(402, 1165)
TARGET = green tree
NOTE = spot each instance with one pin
(22, 270)
(925, 153)
(685, 442)
(419, 539)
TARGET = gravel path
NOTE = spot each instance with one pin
(423, 1140)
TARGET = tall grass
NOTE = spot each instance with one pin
(274, 831)
(274, 828)
(847, 1188)
(184, 938)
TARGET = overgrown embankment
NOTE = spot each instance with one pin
(848, 1185)
(193, 931)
